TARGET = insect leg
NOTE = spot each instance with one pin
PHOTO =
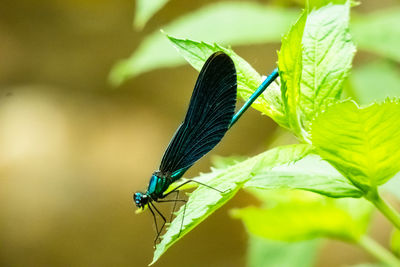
(173, 209)
(154, 217)
(183, 217)
(190, 181)
(176, 188)
(184, 210)
(176, 200)
(194, 181)
(181, 200)
(162, 227)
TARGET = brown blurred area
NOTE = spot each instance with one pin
(73, 150)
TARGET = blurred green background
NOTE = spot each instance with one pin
(73, 149)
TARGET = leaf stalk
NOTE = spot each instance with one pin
(387, 210)
(378, 251)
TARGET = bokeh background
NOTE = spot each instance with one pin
(73, 149)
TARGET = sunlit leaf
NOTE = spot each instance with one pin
(379, 32)
(219, 162)
(145, 9)
(310, 173)
(308, 216)
(204, 201)
(375, 32)
(310, 4)
(267, 253)
(314, 61)
(269, 103)
(362, 143)
(327, 55)
(375, 81)
(290, 65)
(233, 23)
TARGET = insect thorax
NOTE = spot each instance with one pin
(158, 184)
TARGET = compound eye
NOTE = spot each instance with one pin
(137, 196)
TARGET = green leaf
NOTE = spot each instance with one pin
(144, 10)
(310, 173)
(327, 55)
(267, 253)
(375, 81)
(219, 162)
(361, 143)
(375, 32)
(290, 64)
(233, 23)
(269, 103)
(196, 53)
(310, 4)
(204, 201)
(379, 32)
(314, 61)
(307, 216)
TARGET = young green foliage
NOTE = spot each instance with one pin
(290, 65)
(327, 55)
(315, 4)
(299, 215)
(367, 78)
(314, 60)
(204, 201)
(379, 32)
(233, 23)
(268, 253)
(144, 10)
(244, 24)
(248, 79)
(361, 143)
(310, 173)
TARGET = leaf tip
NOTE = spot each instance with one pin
(138, 24)
(115, 77)
(152, 262)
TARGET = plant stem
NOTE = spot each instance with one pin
(378, 251)
(390, 213)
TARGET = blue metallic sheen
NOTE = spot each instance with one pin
(274, 74)
(152, 184)
(209, 116)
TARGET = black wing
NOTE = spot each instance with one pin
(209, 115)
